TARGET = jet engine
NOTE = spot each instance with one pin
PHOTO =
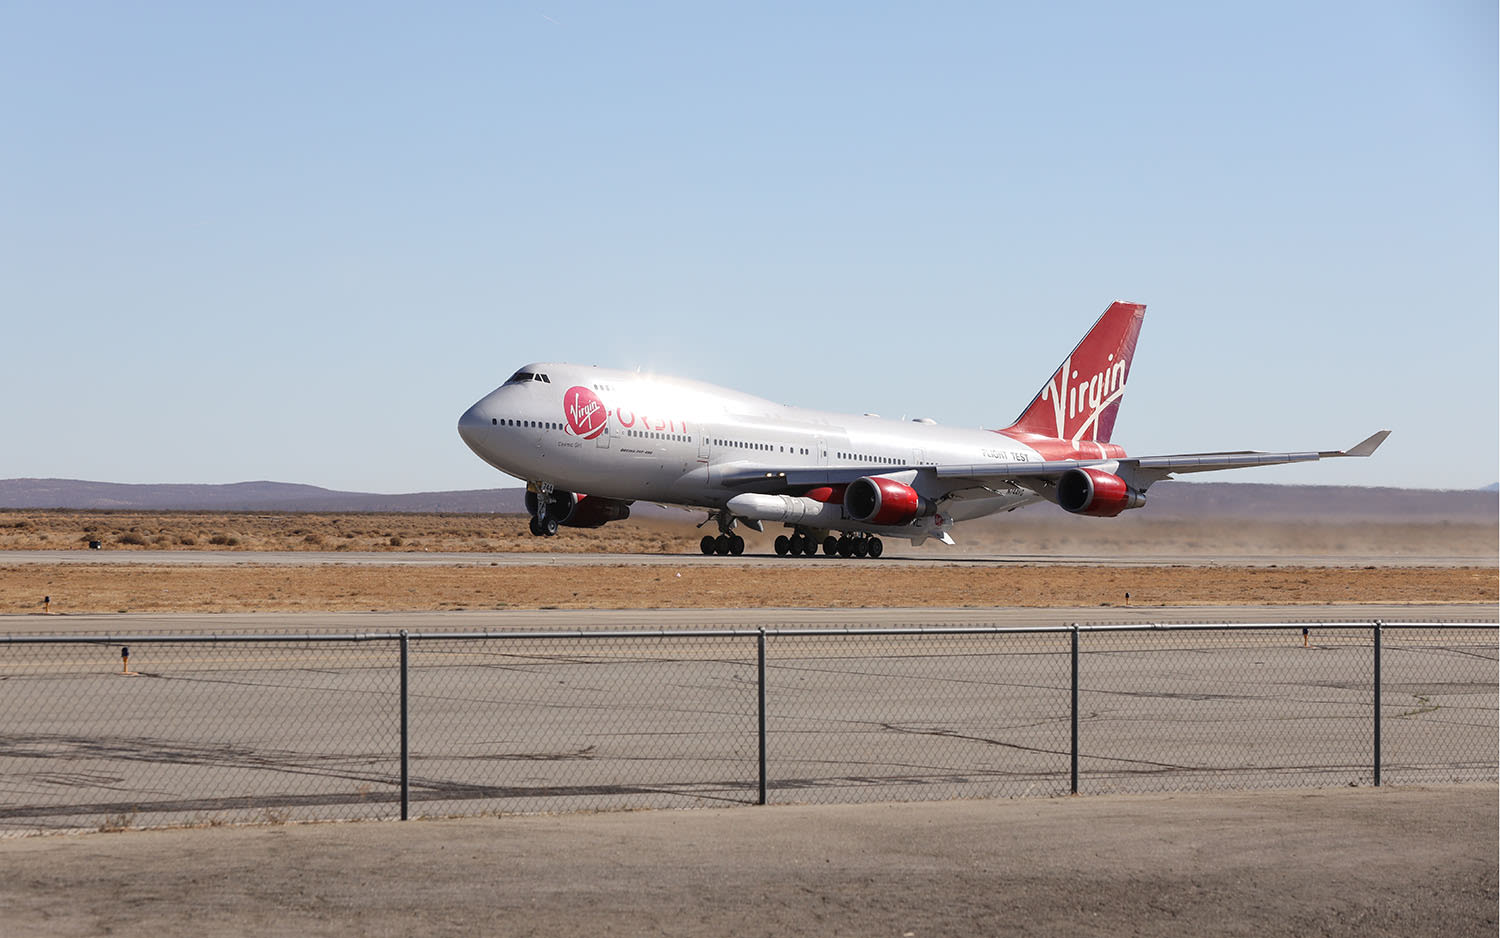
(878, 500)
(1096, 492)
(580, 511)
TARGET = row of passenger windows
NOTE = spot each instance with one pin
(533, 424)
(762, 447)
(865, 458)
(653, 435)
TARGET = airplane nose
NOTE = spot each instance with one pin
(472, 425)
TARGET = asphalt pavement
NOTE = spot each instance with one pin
(125, 624)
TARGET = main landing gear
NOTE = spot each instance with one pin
(845, 545)
(798, 545)
(722, 545)
(727, 542)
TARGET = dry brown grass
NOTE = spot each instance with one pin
(338, 587)
(329, 587)
(287, 531)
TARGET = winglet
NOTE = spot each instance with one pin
(1369, 445)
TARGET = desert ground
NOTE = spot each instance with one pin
(1340, 862)
(96, 588)
(728, 583)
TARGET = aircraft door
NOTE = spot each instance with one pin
(821, 451)
(602, 440)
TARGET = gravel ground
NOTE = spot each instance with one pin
(1407, 862)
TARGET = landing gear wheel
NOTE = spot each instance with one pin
(549, 527)
(736, 544)
(845, 546)
(707, 545)
(876, 547)
(783, 545)
(830, 546)
(536, 529)
(795, 544)
(859, 547)
(721, 545)
(809, 547)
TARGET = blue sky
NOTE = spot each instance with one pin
(295, 241)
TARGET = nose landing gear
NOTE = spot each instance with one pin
(542, 523)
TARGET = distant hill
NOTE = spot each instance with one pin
(1167, 500)
(244, 496)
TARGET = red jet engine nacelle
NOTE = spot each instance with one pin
(591, 511)
(581, 511)
(1096, 492)
(878, 500)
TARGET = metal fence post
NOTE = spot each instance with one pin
(760, 682)
(1074, 747)
(1378, 629)
(405, 739)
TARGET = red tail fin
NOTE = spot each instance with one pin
(1082, 399)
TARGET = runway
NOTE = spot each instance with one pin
(646, 619)
(1151, 558)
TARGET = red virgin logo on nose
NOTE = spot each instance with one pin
(585, 412)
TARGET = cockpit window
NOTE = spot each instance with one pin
(520, 376)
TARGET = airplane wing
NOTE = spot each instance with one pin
(1144, 470)
(1141, 471)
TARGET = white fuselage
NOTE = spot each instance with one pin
(588, 441)
(629, 436)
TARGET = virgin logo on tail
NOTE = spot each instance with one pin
(1082, 398)
(587, 415)
(1088, 396)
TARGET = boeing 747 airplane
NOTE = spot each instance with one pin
(590, 441)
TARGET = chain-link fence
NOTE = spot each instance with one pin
(204, 730)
